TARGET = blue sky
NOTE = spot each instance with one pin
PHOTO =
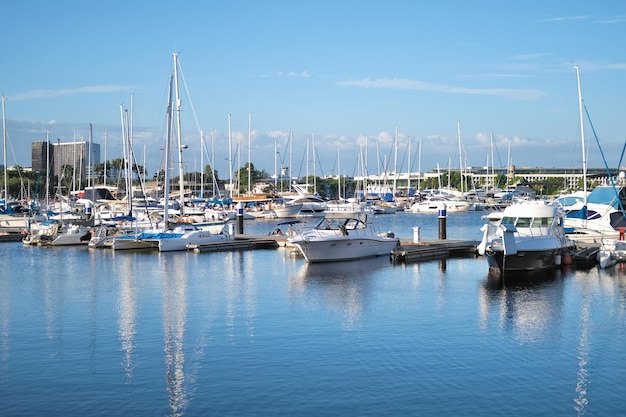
(344, 72)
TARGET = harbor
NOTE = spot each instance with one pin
(232, 332)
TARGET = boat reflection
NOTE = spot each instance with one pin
(529, 307)
(342, 286)
(526, 278)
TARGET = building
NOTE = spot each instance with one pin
(82, 156)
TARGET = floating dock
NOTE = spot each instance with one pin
(11, 236)
(240, 242)
(426, 250)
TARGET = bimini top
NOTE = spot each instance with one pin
(531, 209)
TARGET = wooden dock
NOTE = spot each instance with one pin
(240, 242)
(408, 251)
(11, 236)
(426, 250)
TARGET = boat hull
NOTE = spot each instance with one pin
(523, 261)
(333, 250)
(197, 237)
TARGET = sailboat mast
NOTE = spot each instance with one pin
(105, 157)
(419, 165)
(493, 176)
(201, 164)
(166, 182)
(314, 165)
(230, 159)
(395, 162)
(4, 137)
(458, 128)
(290, 158)
(249, 155)
(47, 167)
(181, 180)
(582, 133)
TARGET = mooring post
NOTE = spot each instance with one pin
(442, 221)
(240, 218)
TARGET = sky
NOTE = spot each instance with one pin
(358, 85)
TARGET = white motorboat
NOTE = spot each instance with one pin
(343, 236)
(435, 204)
(611, 252)
(189, 234)
(529, 237)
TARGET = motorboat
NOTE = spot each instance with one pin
(530, 237)
(435, 205)
(601, 217)
(343, 236)
(188, 234)
(611, 252)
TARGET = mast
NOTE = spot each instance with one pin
(314, 165)
(419, 165)
(290, 157)
(168, 140)
(395, 162)
(213, 182)
(249, 156)
(47, 167)
(275, 165)
(181, 181)
(105, 157)
(582, 134)
(230, 158)
(458, 127)
(493, 176)
(89, 160)
(201, 164)
(4, 137)
(408, 181)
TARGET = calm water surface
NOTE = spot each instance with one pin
(97, 333)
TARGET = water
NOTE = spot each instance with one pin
(99, 333)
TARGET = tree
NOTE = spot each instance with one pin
(241, 177)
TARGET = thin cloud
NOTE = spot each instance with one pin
(404, 84)
(280, 74)
(565, 19)
(64, 92)
(526, 57)
(613, 19)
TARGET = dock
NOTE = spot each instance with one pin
(11, 236)
(431, 249)
(240, 242)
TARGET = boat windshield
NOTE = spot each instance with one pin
(528, 221)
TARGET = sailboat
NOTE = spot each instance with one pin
(11, 221)
(167, 239)
(601, 214)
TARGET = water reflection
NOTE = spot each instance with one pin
(5, 308)
(343, 286)
(127, 313)
(530, 306)
(174, 322)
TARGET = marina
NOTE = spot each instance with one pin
(257, 331)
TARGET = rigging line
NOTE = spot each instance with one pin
(621, 156)
(619, 201)
(193, 110)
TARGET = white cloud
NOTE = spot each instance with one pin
(526, 57)
(64, 92)
(565, 19)
(613, 19)
(404, 84)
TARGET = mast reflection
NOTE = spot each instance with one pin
(174, 322)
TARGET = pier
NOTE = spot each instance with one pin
(408, 251)
(430, 249)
